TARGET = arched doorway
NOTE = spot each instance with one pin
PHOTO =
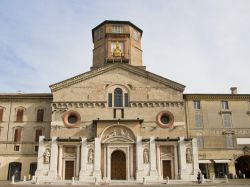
(15, 169)
(242, 166)
(118, 165)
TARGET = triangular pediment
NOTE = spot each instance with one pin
(111, 67)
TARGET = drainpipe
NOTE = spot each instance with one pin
(9, 123)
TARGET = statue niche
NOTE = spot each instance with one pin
(117, 51)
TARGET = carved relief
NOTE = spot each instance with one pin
(188, 155)
(46, 156)
(118, 132)
(145, 156)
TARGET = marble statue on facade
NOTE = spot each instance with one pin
(188, 155)
(46, 156)
(91, 156)
(145, 156)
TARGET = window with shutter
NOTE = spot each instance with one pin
(227, 120)
(1, 114)
(198, 120)
(199, 141)
(17, 135)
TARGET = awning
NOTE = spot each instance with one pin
(222, 161)
(204, 161)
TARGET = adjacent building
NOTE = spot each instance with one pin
(121, 122)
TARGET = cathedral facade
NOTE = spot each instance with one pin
(121, 122)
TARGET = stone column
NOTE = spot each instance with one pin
(77, 160)
(108, 163)
(139, 159)
(60, 162)
(84, 159)
(53, 159)
(97, 161)
(175, 162)
(182, 157)
(41, 150)
(153, 171)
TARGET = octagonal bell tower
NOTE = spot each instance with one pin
(117, 42)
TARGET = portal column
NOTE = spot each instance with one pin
(139, 159)
(77, 160)
(53, 159)
(153, 171)
(97, 162)
(158, 159)
(175, 162)
(60, 162)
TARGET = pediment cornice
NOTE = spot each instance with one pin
(126, 67)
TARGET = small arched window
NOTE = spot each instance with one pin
(40, 113)
(118, 97)
(39, 132)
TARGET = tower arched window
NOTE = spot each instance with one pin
(118, 97)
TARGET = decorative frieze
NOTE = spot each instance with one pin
(144, 104)
(63, 106)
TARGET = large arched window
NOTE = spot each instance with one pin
(118, 97)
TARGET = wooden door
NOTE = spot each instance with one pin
(166, 168)
(69, 169)
(118, 166)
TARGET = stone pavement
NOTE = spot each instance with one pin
(231, 183)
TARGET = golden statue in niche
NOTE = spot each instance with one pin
(117, 51)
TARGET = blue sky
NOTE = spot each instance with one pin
(204, 45)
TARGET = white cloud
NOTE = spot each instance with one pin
(202, 44)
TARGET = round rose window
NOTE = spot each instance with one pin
(71, 118)
(165, 119)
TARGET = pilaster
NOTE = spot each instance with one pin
(53, 159)
(41, 151)
(97, 161)
(153, 172)
(139, 159)
(84, 159)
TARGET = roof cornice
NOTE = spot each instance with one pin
(216, 96)
(13, 96)
(127, 67)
